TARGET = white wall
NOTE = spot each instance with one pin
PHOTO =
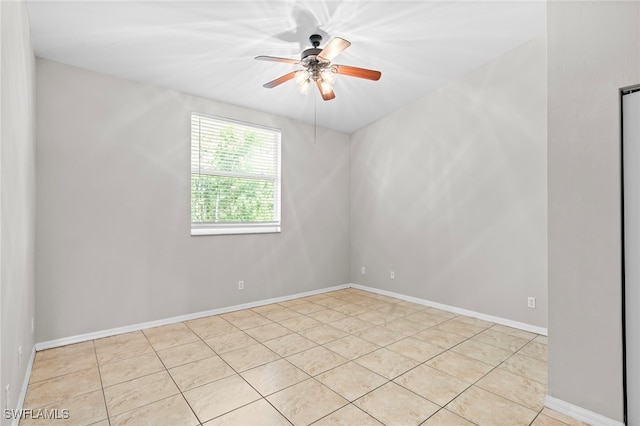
(113, 243)
(593, 51)
(17, 197)
(450, 192)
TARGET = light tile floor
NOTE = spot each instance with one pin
(347, 357)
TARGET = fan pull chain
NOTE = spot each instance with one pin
(315, 120)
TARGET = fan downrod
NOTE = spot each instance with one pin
(315, 40)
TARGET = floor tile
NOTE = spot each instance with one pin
(351, 381)
(230, 342)
(561, 417)
(138, 392)
(220, 397)
(543, 420)
(350, 325)
(441, 338)
(501, 340)
(380, 335)
(535, 350)
(349, 415)
(541, 339)
(398, 360)
(249, 357)
(441, 313)
(393, 404)
(300, 323)
(529, 367)
(48, 391)
(267, 332)
(244, 321)
(289, 344)
(274, 376)
(432, 384)
(405, 327)
(513, 332)
(323, 334)
(317, 360)
(307, 308)
(280, 314)
(170, 335)
(83, 409)
(482, 407)
(170, 411)
(516, 388)
(130, 368)
(185, 354)
(374, 317)
(351, 309)
(425, 318)
(396, 311)
(116, 348)
(259, 413)
(415, 349)
(351, 347)
(327, 315)
(198, 373)
(209, 327)
(60, 361)
(458, 327)
(387, 363)
(460, 366)
(306, 402)
(445, 417)
(80, 349)
(484, 352)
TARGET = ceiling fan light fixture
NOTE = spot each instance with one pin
(318, 68)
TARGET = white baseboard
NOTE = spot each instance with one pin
(455, 310)
(579, 413)
(25, 385)
(143, 326)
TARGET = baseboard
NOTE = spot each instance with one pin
(455, 310)
(143, 326)
(579, 413)
(25, 385)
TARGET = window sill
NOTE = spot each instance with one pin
(235, 230)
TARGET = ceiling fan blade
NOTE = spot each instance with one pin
(335, 46)
(276, 59)
(358, 72)
(326, 95)
(278, 81)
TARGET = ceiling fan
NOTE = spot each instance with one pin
(317, 67)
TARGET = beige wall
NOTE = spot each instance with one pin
(17, 197)
(113, 243)
(450, 192)
(593, 50)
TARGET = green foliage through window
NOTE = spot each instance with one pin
(235, 173)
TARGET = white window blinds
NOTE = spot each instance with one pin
(235, 177)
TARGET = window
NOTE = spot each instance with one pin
(235, 177)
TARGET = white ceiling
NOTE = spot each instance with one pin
(207, 48)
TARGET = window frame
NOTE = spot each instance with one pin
(233, 228)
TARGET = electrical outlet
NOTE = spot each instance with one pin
(33, 325)
(240, 285)
(531, 302)
(19, 356)
(392, 275)
(363, 270)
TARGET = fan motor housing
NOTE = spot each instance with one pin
(313, 51)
